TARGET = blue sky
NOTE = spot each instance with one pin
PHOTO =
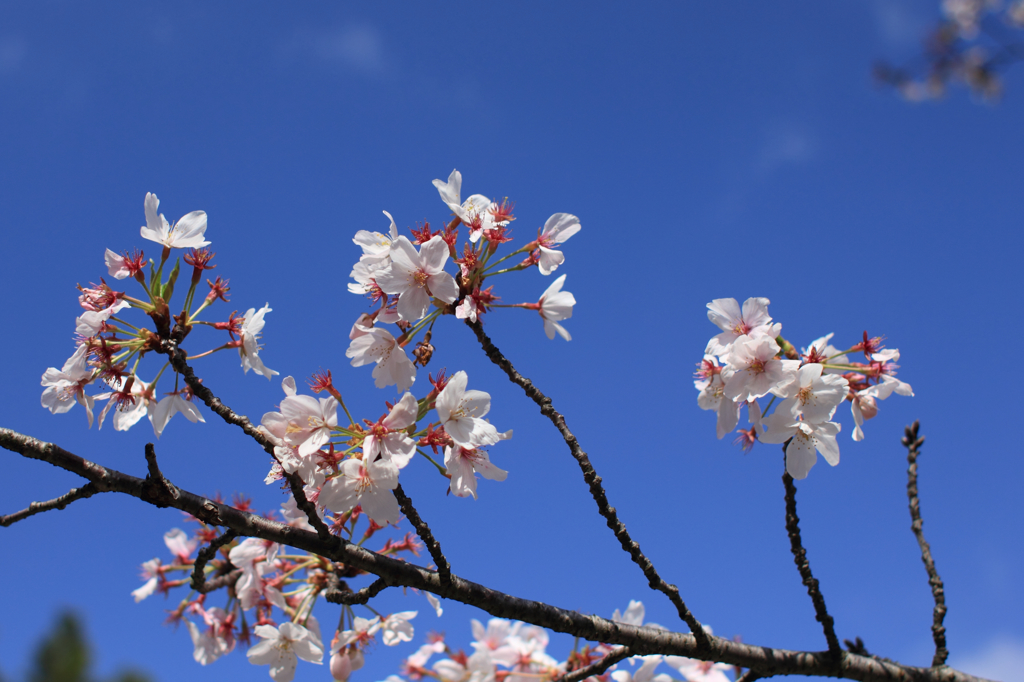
(710, 152)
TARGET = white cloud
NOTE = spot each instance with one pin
(1001, 659)
(786, 145)
(12, 54)
(356, 48)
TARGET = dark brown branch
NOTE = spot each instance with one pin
(177, 357)
(444, 569)
(598, 667)
(158, 490)
(751, 675)
(338, 591)
(804, 566)
(199, 583)
(913, 444)
(630, 546)
(87, 490)
(395, 572)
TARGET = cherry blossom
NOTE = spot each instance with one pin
(411, 274)
(817, 396)
(373, 344)
(366, 484)
(128, 413)
(252, 328)
(376, 246)
(310, 422)
(754, 370)
(693, 670)
(218, 638)
(151, 572)
(712, 396)
(645, 673)
(474, 213)
(186, 233)
(461, 412)
(807, 437)
(396, 628)
(171, 405)
(89, 323)
(752, 320)
(557, 229)
(116, 265)
(555, 306)
(478, 668)
(282, 647)
(464, 463)
(387, 437)
(69, 383)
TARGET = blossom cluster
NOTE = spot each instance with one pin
(749, 360)
(413, 289)
(968, 46)
(109, 348)
(517, 652)
(271, 594)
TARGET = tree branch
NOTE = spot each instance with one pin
(594, 481)
(804, 566)
(199, 583)
(640, 640)
(598, 667)
(336, 595)
(87, 490)
(913, 444)
(444, 569)
(178, 359)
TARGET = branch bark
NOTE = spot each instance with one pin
(609, 513)
(640, 640)
(913, 444)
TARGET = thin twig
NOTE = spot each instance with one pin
(158, 489)
(444, 569)
(598, 667)
(396, 572)
(178, 359)
(199, 583)
(87, 490)
(804, 566)
(913, 444)
(338, 592)
(594, 481)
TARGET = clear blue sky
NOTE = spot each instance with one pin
(725, 151)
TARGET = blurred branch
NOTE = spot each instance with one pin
(913, 444)
(598, 667)
(594, 481)
(338, 591)
(87, 490)
(804, 566)
(640, 640)
(199, 583)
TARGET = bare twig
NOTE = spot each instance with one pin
(87, 490)
(338, 592)
(640, 640)
(913, 444)
(597, 667)
(177, 357)
(804, 566)
(444, 569)
(630, 546)
(199, 583)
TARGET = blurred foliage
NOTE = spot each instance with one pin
(64, 655)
